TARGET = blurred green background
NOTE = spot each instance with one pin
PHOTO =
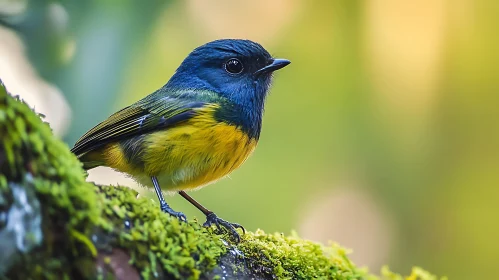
(381, 135)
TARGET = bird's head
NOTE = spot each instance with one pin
(239, 70)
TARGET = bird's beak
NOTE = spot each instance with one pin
(277, 63)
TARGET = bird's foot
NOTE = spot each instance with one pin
(167, 209)
(231, 227)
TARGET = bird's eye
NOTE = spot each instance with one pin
(233, 66)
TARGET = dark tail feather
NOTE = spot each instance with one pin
(91, 164)
(90, 160)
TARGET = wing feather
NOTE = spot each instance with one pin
(149, 114)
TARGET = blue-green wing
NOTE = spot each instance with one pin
(150, 114)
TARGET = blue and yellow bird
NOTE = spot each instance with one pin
(196, 129)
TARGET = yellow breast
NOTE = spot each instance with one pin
(188, 156)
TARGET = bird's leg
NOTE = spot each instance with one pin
(212, 218)
(162, 203)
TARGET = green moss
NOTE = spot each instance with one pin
(292, 257)
(416, 274)
(156, 242)
(31, 157)
(71, 229)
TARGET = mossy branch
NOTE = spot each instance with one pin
(55, 225)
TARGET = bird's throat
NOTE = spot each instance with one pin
(247, 118)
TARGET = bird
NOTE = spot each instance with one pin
(196, 129)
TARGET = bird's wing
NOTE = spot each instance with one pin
(147, 115)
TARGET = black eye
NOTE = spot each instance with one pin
(233, 66)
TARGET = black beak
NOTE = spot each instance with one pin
(276, 64)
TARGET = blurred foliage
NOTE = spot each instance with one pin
(74, 44)
(399, 100)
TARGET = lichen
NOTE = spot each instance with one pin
(105, 232)
(21, 223)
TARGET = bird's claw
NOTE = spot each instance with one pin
(179, 215)
(212, 218)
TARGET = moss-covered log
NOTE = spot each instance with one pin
(55, 225)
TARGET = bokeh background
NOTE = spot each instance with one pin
(381, 135)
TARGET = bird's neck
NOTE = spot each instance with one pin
(247, 118)
(242, 108)
(254, 115)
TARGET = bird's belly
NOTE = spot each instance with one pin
(193, 155)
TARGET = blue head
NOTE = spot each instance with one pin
(238, 70)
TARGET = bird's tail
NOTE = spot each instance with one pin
(91, 164)
(90, 160)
